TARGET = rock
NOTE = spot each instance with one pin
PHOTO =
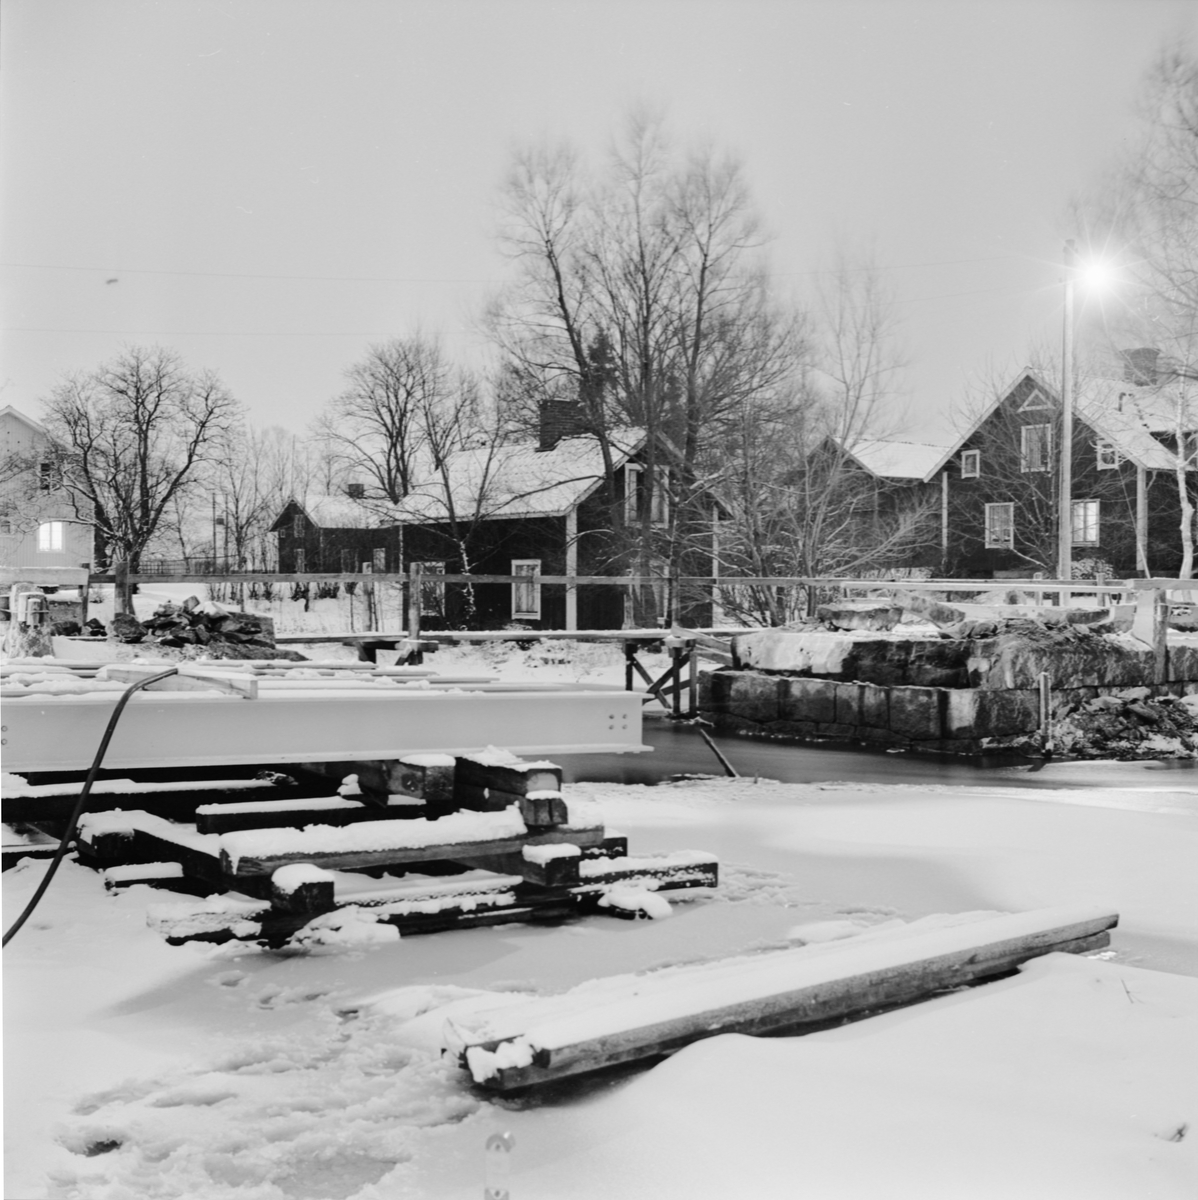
(879, 616)
(127, 628)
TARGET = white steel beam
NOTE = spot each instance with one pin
(174, 729)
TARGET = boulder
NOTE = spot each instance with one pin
(875, 615)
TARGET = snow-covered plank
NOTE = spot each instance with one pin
(289, 814)
(788, 991)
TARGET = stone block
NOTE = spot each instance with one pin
(915, 712)
(808, 700)
(860, 614)
(875, 706)
(1183, 662)
(961, 708)
(799, 652)
(756, 697)
(715, 690)
(848, 704)
(1008, 713)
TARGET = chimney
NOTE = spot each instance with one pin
(559, 419)
(1140, 365)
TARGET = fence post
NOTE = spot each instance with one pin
(414, 601)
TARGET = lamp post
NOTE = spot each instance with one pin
(1065, 526)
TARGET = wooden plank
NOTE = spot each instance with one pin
(791, 991)
(515, 778)
(286, 814)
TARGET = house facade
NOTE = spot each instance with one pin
(1000, 485)
(41, 535)
(334, 534)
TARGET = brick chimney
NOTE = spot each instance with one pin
(1140, 365)
(559, 419)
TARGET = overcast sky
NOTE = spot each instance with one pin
(269, 186)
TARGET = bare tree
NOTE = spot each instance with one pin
(377, 429)
(134, 434)
(1149, 207)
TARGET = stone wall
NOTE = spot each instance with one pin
(970, 696)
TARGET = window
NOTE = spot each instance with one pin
(49, 536)
(1108, 457)
(432, 594)
(47, 476)
(1000, 525)
(356, 491)
(660, 514)
(300, 561)
(1036, 399)
(297, 525)
(1085, 515)
(1035, 448)
(526, 594)
(632, 493)
(971, 464)
(379, 559)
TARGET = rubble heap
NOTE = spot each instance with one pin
(206, 629)
(1131, 724)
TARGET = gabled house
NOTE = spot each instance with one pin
(42, 538)
(1000, 491)
(530, 509)
(334, 534)
(884, 503)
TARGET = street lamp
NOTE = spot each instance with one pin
(1065, 525)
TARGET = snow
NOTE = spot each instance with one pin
(542, 854)
(200, 1072)
(293, 876)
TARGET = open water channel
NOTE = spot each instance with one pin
(679, 749)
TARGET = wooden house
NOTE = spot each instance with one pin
(999, 482)
(335, 534)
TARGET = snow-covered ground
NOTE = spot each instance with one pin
(134, 1069)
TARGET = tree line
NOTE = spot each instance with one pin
(639, 295)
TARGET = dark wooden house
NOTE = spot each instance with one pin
(335, 534)
(1000, 481)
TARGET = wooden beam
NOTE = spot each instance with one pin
(791, 991)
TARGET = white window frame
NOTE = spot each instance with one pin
(632, 493)
(526, 597)
(1085, 522)
(432, 594)
(660, 512)
(1109, 458)
(301, 560)
(1036, 399)
(998, 538)
(971, 464)
(1045, 444)
(378, 560)
(51, 537)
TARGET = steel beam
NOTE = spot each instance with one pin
(176, 729)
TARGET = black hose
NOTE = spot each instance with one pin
(81, 803)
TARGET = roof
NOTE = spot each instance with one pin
(36, 426)
(334, 512)
(895, 459)
(515, 481)
(1118, 411)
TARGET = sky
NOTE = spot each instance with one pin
(271, 186)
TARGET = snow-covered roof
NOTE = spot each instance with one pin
(9, 411)
(895, 459)
(1118, 411)
(335, 512)
(519, 480)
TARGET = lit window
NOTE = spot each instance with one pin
(526, 594)
(1035, 448)
(49, 536)
(971, 464)
(1000, 525)
(1108, 456)
(1085, 515)
(432, 595)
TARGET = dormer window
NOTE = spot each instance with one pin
(971, 464)
(1108, 457)
(356, 491)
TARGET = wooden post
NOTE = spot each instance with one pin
(572, 569)
(414, 601)
(693, 683)
(1160, 636)
(122, 597)
(629, 655)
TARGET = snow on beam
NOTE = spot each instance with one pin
(789, 991)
